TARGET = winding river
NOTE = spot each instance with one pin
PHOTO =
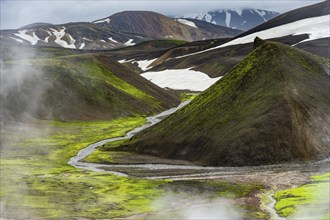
(77, 162)
(210, 172)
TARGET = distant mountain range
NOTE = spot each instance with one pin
(242, 19)
(119, 30)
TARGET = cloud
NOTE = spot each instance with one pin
(15, 14)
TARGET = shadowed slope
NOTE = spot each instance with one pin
(273, 107)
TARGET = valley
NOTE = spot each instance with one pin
(51, 177)
(147, 114)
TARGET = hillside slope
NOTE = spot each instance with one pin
(273, 107)
(77, 87)
(158, 26)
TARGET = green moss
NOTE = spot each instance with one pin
(185, 96)
(238, 190)
(99, 156)
(107, 76)
(311, 198)
(87, 82)
(47, 187)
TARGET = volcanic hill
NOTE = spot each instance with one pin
(273, 107)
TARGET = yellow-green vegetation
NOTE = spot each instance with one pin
(94, 70)
(102, 154)
(185, 96)
(74, 86)
(310, 200)
(37, 182)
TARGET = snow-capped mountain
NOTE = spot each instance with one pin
(243, 19)
(119, 30)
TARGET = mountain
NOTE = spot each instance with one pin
(119, 30)
(77, 87)
(242, 19)
(158, 26)
(307, 28)
(272, 107)
(311, 11)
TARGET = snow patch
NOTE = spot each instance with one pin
(181, 79)
(32, 39)
(59, 41)
(103, 20)
(14, 38)
(125, 61)
(82, 45)
(239, 12)
(208, 18)
(186, 22)
(315, 27)
(129, 42)
(84, 38)
(228, 18)
(46, 39)
(262, 14)
(113, 40)
(144, 64)
(102, 41)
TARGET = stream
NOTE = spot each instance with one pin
(83, 153)
(210, 172)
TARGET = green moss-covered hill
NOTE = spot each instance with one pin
(78, 87)
(272, 107)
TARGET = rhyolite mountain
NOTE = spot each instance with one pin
(158, 26)
(305, 28)
(242, 19)
(272, 107)
(119, 30)
(64, 86)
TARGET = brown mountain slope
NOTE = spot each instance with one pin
(273, 107)
(158, 26)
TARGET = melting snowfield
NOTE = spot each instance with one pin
(102, 21)
(315, 27)
(32, 39)
(144, 65)
(181, 79)
(186, 22)
(59, 34)
(129, 42)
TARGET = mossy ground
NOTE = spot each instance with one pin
(36, 180)
(310, 200)
(185, 96)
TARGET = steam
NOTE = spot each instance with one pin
(20, 101)
(21, 88)
(194, 206)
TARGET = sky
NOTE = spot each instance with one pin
(17, 13)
